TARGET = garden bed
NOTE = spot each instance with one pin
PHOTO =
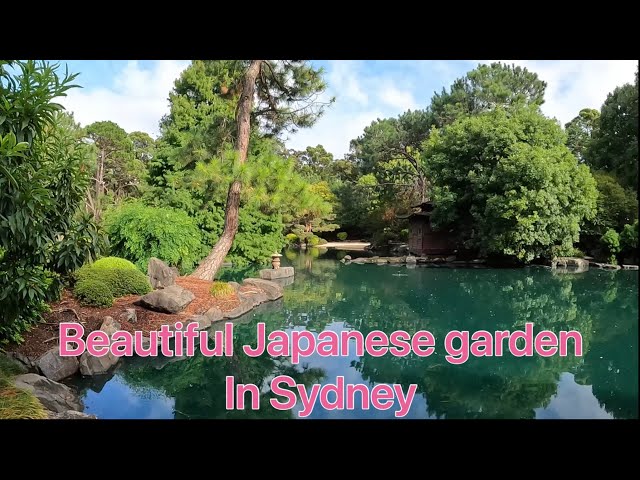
(44, 335)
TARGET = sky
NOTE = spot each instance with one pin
(134, 93)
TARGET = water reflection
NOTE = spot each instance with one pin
(326, 294)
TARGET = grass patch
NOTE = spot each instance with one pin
(16, 403)
(221, 290)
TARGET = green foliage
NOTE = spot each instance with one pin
(342, 236)
(94, 292)
(139, 232)
(611, 241)
(16, 403)
(617, 206)
(291, 238)
(629, 236)
(221, 290)
(43, 180)
(113, 262)
(563, 251)
(96, 285)
(486, 88)
(580, 131)
(314, 241)
(614, 147)
(509, 184)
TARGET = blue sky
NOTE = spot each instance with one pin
(133, 93)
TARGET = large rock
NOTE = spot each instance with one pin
(246, 304)
(284, 282)
(630, 267)
(214, 314)
(55, 367)
(271, 289)
(171, 299)
(53, 395)
(571, 264)
(160, 275)
(129, 315)
(71, 415)
(19, 365)
(91, 365)
(110, 326)
(359, 260)
(256, 296)
(411, 260)
(271, 273)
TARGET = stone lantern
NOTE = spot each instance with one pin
(275, 261)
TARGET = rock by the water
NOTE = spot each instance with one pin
(396, 260)
(171, 299)
(55, 367)
(359, 260)
(271, 289)
(256, 296)
(91, 365)
(160, 275)
(20, 365)
(571, 264)
(71, 415)
(246, 304)
(347, 258)
(109, 326)
(214, 314)
(129, 315)
(271, 273)
(451, 258)
(630, 267)
(29, 362)
(411, 259)
(54, 396)
(283, 282)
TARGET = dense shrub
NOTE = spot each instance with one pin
(94, 292)
(313, 241)
(611, 241)
(43, 184)
(342, 236)
(114, 282)
(221, 289)
(139, 232)
(291, 238)
(120, 281)
(629, 236)
(113, 262)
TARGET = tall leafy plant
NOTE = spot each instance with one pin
(43, 178)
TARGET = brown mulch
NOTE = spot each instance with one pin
(45, 334)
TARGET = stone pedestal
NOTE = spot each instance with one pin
(271, 273)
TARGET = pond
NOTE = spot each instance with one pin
(328, 295)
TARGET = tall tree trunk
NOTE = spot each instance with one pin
(210, 265)
(97, 213)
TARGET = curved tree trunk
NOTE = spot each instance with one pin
(210, 265)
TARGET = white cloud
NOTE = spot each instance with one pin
(393, 96)
(343, 77)
(137, 100)
(334, 131)
(576, 84)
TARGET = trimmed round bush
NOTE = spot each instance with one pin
(94, 292)
(342, 236)
(221, 289)
(113, 262)
(314, 240)
(121, 281)
(291, 238)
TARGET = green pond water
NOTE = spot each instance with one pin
(328, 295)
